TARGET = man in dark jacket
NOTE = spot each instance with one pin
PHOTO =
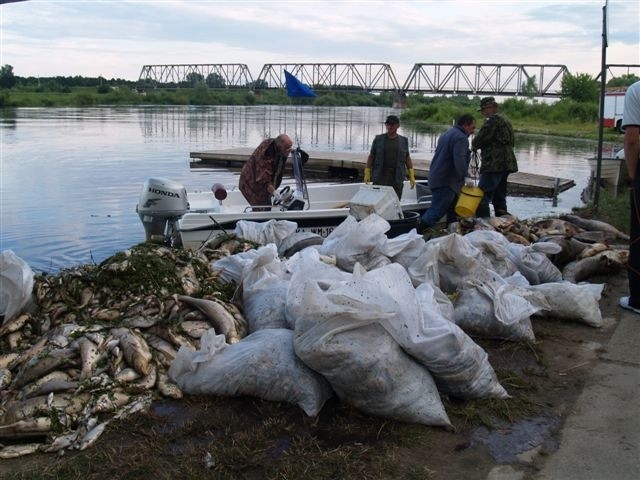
(389, 161)
(495, 140)
(448, 170)
(262, 174)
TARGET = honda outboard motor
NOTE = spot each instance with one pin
(162, 203)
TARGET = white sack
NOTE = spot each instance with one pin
(488, 306)
(570, 301)
(356, 242)
(16, 284)
(261, 365)
(264, 290)
(533, 263)
(338, 333)
(494, 246)
(229, 268)
(271, 231)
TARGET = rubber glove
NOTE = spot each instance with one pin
(367, 176)
(412, 177)
(277, 198)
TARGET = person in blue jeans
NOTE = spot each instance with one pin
(448, 170)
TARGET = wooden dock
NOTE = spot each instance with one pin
(352, 164)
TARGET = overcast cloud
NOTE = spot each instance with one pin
(115, 39)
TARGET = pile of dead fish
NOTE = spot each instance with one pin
(95, 344)
(588, 247)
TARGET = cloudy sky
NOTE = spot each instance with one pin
(115, 39)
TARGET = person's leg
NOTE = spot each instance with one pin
(441, 202)
(488, 183)
(499, 199)
(634, 248)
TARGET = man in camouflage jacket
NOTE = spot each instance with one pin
(495, 140)
(262, 174)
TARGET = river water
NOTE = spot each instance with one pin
(70, 178)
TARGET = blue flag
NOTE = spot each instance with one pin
(295, 88)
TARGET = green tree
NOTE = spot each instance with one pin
(7, 78)
(192, 79)
(530, 87)
(215, 81)
(623, 80)
(580, 88)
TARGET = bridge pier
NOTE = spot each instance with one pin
(399, 100)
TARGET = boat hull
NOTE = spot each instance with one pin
(329, 207)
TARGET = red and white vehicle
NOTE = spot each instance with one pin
(613, 109)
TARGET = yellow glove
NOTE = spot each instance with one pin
(412, 177)
(367, 175)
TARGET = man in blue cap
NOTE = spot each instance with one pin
(389, 160)
(495, 141)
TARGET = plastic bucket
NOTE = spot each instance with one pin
(403, 225)
(468, 201)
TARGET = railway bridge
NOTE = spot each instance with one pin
(424, 78)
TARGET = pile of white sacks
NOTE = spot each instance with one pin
(369, 318)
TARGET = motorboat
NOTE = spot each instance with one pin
(613, 169)
(171, 216)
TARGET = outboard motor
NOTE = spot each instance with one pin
(162, 203)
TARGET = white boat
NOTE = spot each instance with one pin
(613, 169)
(172, 216)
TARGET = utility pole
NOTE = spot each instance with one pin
(603, 83)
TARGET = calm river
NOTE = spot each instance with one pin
(71, 177)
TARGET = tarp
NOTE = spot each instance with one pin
(295, 88)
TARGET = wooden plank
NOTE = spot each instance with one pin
(520, 183)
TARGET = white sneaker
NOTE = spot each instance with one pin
(624, 303)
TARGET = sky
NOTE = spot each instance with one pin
(115, 39)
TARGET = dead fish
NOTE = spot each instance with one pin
(30, 425)
(145, 383)
(92, 435)
(89, 356)
(595, 225)
(571, 247)
(595, 236)
(5, 378)
(174, 338)
(110, 402)
(39, 366)
(7, 360)
(14, 339)
(85, 297)
(25, 409)
(62, 442)
(167, 387)
(56, 381)
(555, 226)
(127, 375)
(161, 346)
(139, 321)
(14, 324)
(107, 314)
(603, 263)
(195, 328)
(135, 349)
(593, 249)
(516, 238)
(15, 451)
(188, 279)
(216, 314)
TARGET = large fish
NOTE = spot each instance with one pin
(135, 349)
(603, 263)
(595, 225)
(216, 314)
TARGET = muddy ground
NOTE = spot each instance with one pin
(246, 438)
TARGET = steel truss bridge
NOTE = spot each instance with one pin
(424, 78)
